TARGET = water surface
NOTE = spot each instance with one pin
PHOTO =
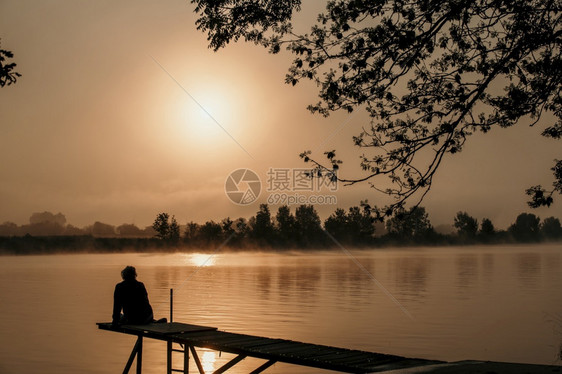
(499, 303)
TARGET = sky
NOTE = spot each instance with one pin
(123, 112)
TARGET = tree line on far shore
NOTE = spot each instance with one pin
(354, 227)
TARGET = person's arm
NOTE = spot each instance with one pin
(117, 305)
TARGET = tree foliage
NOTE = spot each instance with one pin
(466, 226)
(487, 229)
(354, 227)
(429, 73)
(285, 224)
(411, 224)
(551, 228)
(308, 226)
(526, 228)
(263, 225)
(166, 229)
(7, 74)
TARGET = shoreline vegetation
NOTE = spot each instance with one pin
(48, 233)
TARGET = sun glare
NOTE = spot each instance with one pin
(205, 114)
(201, 259)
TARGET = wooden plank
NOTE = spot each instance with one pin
(219, 339)
(259, 344)
(169, 328)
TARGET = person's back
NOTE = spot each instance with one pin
(131, 297)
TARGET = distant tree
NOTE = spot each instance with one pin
(174, 231)
(285, 225)
(336, 225)
(227, 225)
(72, 230)
(308, 226)
(551, 228)
(466, 225)
(58, 218)
(359, 226)
(129, 230)
(411, 224)
(103, 230)
(262, 228)
(210, 233)
(7, 74)
(234, 232)
(191, 232)
(525, 228)
(9, 229)
(241, 229)
(429, 73)
(487, 230)
(162, 226)
(166, 228)
(149, 232)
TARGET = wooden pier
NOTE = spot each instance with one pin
(188, 337)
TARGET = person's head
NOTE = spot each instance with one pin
(129, 273)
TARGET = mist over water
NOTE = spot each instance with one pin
(499, 303)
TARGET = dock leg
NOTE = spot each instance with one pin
(229, 364)
(169, 358)
(139, 355)
(263, 367)
(197, 360)
(185, 360)
(137, 351)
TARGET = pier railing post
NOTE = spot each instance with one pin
(171, 305)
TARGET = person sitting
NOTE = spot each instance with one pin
(131, 297)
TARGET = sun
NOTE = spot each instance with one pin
(206, 114)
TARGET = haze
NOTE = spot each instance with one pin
(104, 125)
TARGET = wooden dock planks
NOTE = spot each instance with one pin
(273, 350)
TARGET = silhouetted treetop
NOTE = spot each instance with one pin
(226, 20)
(466, 225)
(7, 73)
(429, 73)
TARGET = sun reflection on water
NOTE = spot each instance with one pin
(208, 359)
(200, 259)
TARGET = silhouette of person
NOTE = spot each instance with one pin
(131, 297)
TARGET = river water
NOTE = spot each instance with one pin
(500, 303)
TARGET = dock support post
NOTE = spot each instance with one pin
(229, 364)
(169, 358)
(263, 367)
(197, 360)
(186, 360)
(137, 351)
(139, 355)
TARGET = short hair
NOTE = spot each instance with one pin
(129, 273)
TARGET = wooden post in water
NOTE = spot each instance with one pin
(171, 305)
